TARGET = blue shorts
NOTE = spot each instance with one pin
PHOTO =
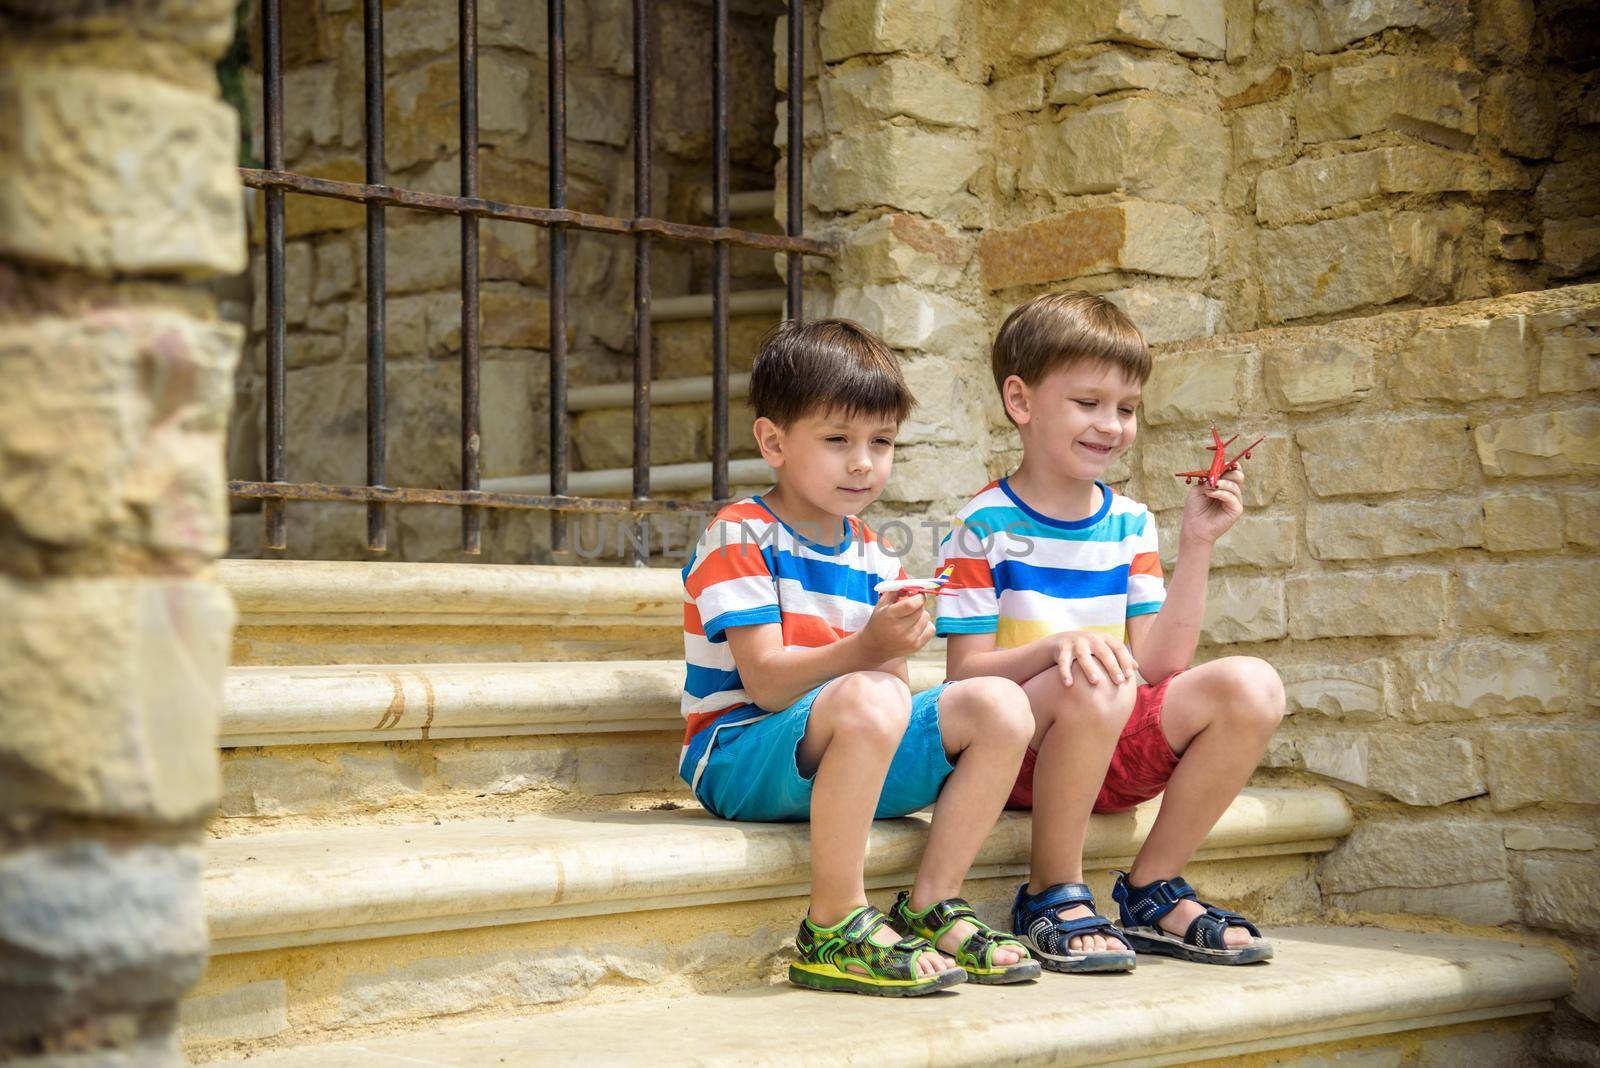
(753, 774)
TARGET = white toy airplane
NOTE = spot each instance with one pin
(926, 585)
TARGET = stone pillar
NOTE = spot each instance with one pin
(118, 193)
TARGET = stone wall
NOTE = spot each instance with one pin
(119, 193)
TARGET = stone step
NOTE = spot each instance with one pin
(693, 390)
(750, 474)
(1331, 996)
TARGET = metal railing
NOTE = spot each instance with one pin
(274, 182)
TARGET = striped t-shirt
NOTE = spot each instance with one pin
(750, 567)
(1022, 575)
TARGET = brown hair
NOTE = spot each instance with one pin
(827, 364)
(1056, 329)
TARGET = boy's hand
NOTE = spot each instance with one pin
(1208, 513)
(899, 626)
(1097, 656)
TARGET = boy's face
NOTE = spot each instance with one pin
(1078, 419)
(835, 464)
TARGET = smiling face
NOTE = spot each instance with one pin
(830, 465)
(1077, 419)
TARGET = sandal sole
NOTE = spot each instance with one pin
(836, 982)
(1166, 946)
(1021, 972)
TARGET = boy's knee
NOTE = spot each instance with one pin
(1255, 691)
(1105, 705)
(867, 703)
(997, 708)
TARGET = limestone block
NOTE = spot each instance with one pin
(254, 1010)
(1480, 1048)
(895, 166)
(625, 768)
(1539, 766)
(906, 248)
(316, 780)
(87, 927)
(310, 109)
(422, 107)
(338, 273)
(865, 27)
(1347, 23)
(1254, 541)
(1472, 678)
(1243, 609)
(1554, 443)
(1519, 112)
(910, 318)
(1547, 836)
(1582, 518)
(512, 252)
(1353, 604)
(115, 172)
(439, 986)
(1362, 530)
(604, 437)
(1531, 598)
(1345, 263)
(1410, 94)
(1186, 26)
(1416, 854)
(1429, 452)
(1318, 374)
(947, 411)
(1469, 361)
(1510, 240)
(507, 771)
(1563, 894)
(1298, 191)
(1504, 29)
(1135, 236)
(1107, 72)
(1266, 473)
(933, 473)
(1572, 246)
(1020, 92)
(1198, 385)
(1412, 769)
(1355, 692)
(1163, 314)
(315, 215)
(1569, 364)
(922, 89)
(1566, 189)
(1262, 132)
(111, 431)
(1521, 522)
(1248, 86)
(1139, 145)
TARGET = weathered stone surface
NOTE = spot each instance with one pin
(1357, 693)
(1415, 770)
(1020, 92)
(1470, 361)
(1563, 894)
(1243, 609)
(911, 318)
(627, 767)
(895, 166)
(1582, 518)
(1480, 1047)
(1201, 384)
(312, 780)
(1420, 454)
(947, 412)
(1299, 190)
(1519, 112)
(1539, 766)
(1415, 854)
(1353, 604)
(1345, 263)
(604, 437)
(1549, 836)
(905, 248)
(1586, 998)
(423, 107)
(857, 27)
(1569, 364)
(111, 433)
(1531, 598)
(922, 89)
(255, 1010)
(1142, 146)
(1135, 236)
(1106, 72)
(87, 927)
(1265, 541)
(115, 172)
(1554, 443)
(932, 472)
(1318, 374)
(1572, 246)
(1510, 240)
(1477, 677)
(1262, 132)
(1409, 94)
(1521, 522)
(506, 771)
(1164, 315)
(1266, 475)
(1504, 29)
(1566, 190)
(1031, 30)
(1362, 530)
(1487, 903)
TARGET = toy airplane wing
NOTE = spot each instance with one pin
(1191, 474)
(927, 585)
(1245, 452)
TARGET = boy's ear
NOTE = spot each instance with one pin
(1015, 395)
(769, 439)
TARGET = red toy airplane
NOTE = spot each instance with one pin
(1220, 464)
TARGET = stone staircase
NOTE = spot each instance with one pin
(452, 834)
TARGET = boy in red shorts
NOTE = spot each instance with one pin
(1059, 588)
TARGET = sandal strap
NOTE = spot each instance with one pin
(1052, 899)
(851, 940)
(1210, 929)
(938, 918)
(1055, 935)
(1143, 906)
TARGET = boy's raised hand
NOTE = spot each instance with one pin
(899, 625)
(1098, 657)
(1208, 513)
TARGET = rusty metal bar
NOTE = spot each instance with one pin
(273, 518)
(719, 269)
(365, 193)
(557, 25)
(641, 257)
(797, 150)
(471, 438)
(377, 519)
(320, 491)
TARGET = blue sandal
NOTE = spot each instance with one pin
(1035, 919)
(1205, 942)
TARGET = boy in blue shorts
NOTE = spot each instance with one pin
(797, 699)
(1059, 588)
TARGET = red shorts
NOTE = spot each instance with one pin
(1140, 766)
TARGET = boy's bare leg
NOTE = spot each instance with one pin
(856, 724)
(1076, 731)
(1220, 717)
(984, 725)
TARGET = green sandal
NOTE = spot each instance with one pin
(844, 957)
(976, 952)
